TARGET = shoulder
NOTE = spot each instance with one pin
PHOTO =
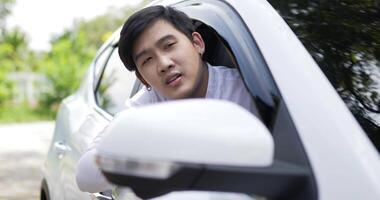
(222, 72)
(224, 82)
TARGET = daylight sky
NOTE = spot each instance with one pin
(41, 19)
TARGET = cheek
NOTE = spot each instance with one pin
(147, 74)
(188, 57)
(193, 59)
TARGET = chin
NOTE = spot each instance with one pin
(179, 93)
(178, 96)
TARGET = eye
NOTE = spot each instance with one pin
(170, 44)
(146, 60)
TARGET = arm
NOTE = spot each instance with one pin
(88, 176)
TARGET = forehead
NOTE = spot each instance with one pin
(154, 32)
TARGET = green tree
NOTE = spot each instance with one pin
(5, 10)
(64, 66)
(4, 50)
(13, 51)
(73, 51)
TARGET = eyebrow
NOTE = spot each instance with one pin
(163, 39)
(160, 41)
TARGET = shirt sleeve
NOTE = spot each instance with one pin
(88, 176)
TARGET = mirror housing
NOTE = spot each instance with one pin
(162, 147)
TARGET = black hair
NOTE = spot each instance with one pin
(141, 20)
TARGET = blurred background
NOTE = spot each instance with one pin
(45, 48)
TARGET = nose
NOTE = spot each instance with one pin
(164, 63)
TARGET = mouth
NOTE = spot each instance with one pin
(173, 79)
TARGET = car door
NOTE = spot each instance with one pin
(112, 85)
(73, 112)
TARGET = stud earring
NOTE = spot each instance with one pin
(148, 87)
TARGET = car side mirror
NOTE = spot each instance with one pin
(164, 147)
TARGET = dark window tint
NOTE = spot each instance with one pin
(116, 84)
(344, 39)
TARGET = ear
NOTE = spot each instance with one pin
(198, 42)
(141, 78)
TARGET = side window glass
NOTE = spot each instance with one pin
(234, 47)
(115, 85)
(100, 62)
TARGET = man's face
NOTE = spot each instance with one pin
(171, 63)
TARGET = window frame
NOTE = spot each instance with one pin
(110, 49)
(225, 20)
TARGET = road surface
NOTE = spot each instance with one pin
(22, 152)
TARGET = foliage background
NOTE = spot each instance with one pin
(63, 65)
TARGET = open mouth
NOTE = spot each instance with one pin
(173, 79)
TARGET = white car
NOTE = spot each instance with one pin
(313, 70)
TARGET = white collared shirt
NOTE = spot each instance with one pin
(223, 83)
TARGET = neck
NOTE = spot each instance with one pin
(201, 89)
